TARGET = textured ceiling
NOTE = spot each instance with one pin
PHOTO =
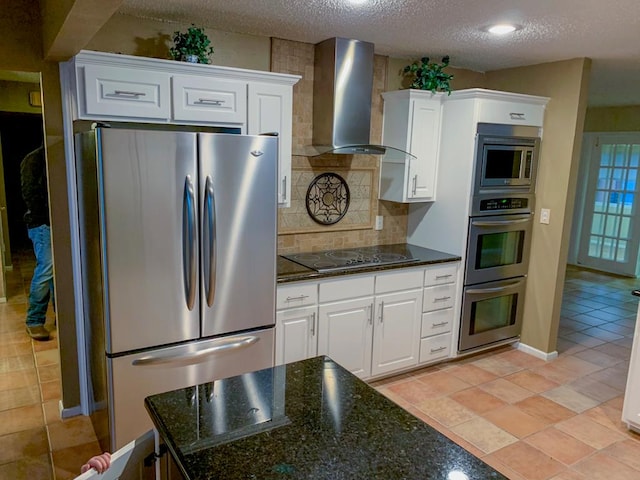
(606, 32)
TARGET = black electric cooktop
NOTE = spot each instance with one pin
(349, 258)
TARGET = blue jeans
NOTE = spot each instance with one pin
(42, 282)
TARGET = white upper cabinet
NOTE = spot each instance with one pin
(124, 88)
(115, 92)
(411, 123)
(271, 111)
(209, 100)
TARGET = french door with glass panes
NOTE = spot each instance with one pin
(610, 234)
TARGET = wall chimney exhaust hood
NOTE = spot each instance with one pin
(342, 86)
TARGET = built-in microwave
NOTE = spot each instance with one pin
(506, 158)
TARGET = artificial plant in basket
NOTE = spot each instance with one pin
(429, 75)
(192, 44)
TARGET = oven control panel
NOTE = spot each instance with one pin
(497, 204)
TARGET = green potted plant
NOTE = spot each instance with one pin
(191, 46)
(429, 76)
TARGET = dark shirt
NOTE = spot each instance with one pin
(33, 180)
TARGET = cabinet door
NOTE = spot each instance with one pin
(396, 333)
(345, 332)
(207, 100)
(270, 111)
(424, 143)
(124, 93)
(296, 337)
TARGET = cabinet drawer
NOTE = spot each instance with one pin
(510, 113)
(403, 280)
(297, 295)
(436, 322)
(124, 92)
(434, 348)
(441, 274)
(438, 297)
(334, 290)
(209, 100)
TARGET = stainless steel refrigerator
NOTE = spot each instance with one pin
(178, 248)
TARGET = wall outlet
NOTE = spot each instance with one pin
(379, 222)
(545, 214)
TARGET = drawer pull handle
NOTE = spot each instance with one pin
(439, 349)
(439, 277)
(517, 116)
(299, 297)
(441, 299)
(127, 93)
(210, 101)
(313, 324)
(441, 324)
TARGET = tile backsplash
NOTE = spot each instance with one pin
(297, 232)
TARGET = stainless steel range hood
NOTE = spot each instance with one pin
(342, 86)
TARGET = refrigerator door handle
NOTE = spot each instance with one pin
(189, 242)
(210, 239)
(197, 356)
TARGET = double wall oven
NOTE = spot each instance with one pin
(499, 235)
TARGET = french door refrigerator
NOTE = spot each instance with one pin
(178, 249)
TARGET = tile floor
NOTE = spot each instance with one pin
(527, 418)
(33, 438)
(538, 420)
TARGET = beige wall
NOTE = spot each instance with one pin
(149, 38)
(613, 119)
(566, 83)
(21, 50)
(15, 97)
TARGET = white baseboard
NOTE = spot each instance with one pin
(537, 353)
(69, 412)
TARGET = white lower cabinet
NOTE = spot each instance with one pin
(296, 334)
(345, 333)
(438, 312)
(373, 325)
(396, 331)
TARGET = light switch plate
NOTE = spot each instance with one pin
(379, 222)
(545, 215)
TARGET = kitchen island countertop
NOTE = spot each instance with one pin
(306, 420)
(289, 271)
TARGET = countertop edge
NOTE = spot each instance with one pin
(313, 275)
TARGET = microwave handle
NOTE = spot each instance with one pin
(498, 223)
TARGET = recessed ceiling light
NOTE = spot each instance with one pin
(357, 2)
(501, 29)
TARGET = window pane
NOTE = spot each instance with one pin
(597, 224)
(595, 244)
(621, 255)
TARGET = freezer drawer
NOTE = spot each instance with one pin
(137, 376)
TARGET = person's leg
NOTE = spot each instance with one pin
(40, 291)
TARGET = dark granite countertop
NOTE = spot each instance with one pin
(289, 271)
(306, 420)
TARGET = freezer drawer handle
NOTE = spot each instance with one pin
(209, 229)
(189, 242)
(190, 358)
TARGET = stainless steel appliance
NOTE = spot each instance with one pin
(499, 235)
(178, 256)
(506, 157)
(350, 258)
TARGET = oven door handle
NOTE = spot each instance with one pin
(498, 223)
(475, 291)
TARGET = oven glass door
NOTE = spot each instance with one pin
(491, 312)
(498, 247)
(506, 165)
